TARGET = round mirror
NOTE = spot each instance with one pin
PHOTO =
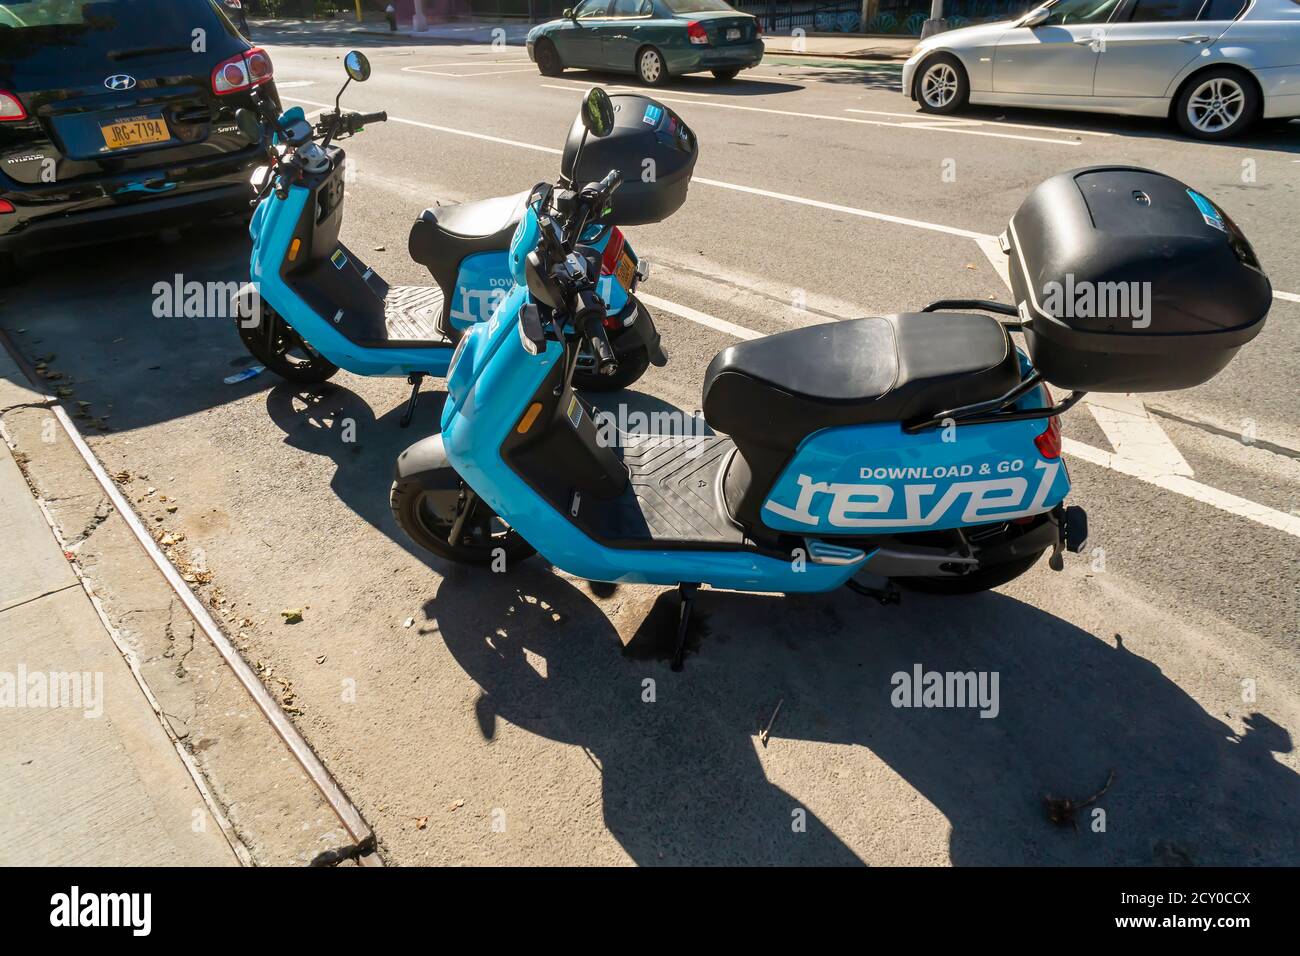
(248, 124)
(598, 112)
(357, 65)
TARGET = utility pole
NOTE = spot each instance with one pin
(419, 22)
(936, 23)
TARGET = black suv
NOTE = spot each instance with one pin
(118, 117)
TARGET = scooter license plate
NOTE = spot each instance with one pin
(625, 271)
(135, 131)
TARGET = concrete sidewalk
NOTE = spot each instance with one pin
(513, 33)
(88, 776)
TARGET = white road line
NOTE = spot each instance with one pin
(293, 84)
(425, 66)
(848, 119)
(1135, 435)
(1224, 501)
(847, 210)
(700, 318)
(1288, 296)
(937, 119)
(466, 76)
(448, 129)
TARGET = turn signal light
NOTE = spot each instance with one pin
(697, 34)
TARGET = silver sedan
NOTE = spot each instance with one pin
(1213, 66)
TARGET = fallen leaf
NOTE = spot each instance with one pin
(320, 659)
(171, 537)
(455, 805)
(292, 615)
(421, 822)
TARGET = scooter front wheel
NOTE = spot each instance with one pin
(631, 366)
(454, 523)
(274, 343)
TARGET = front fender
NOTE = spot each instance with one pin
(426, 463)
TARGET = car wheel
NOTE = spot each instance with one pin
(548, 58)
(650, 67)
(1218, 104)
(725, 75)
(941, 84)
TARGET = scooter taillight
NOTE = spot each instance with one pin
(613, 250)
(1049, 442)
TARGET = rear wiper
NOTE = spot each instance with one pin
(146, 51)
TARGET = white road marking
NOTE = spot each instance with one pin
(293, 84)
(700, 318)
(846, 119)
(939, 119)
(1224, 501)
(426, 66)
(466, 76)
(1135, 435)
(847, 210)
(448, 129)
(1288, 296)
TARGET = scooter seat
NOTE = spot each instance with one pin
(776, 390)
(479, 219)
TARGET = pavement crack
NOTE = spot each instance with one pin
(1213, 429)
(102, 512)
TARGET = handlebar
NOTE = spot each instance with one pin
(589, 318)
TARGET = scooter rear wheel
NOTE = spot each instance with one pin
(429, 515)
(981, 579)
(274, 343)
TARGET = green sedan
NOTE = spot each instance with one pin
(654, 39)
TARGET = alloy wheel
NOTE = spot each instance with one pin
(650, 66)
(939, 85)
(1216, 105)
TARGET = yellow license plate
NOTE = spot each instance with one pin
(625, 271)
(126, 133)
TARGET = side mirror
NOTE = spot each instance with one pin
(248, 124)
(357, 65)
(1035, 17)
(567, 13)
(597, 112)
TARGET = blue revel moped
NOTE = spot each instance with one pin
(921, 449)
(313, 305)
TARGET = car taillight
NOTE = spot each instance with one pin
(696, 33)
(6, 206)
(758, 29)
(1049, 442)
(242, 72)
(613, 250)
(10, 108)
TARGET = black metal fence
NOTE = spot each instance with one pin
(782, 16)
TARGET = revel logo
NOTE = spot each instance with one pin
(103, 909)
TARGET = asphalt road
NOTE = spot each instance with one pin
(506, 722)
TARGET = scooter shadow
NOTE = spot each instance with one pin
(683, 782)
(682, 778)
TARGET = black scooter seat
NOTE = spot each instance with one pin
(443, 236)
(776, 390)
(479, 219)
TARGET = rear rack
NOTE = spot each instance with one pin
(997, 409)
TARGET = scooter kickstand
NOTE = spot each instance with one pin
(415, 380)
(687, 592)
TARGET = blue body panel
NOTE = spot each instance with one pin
(877, 479)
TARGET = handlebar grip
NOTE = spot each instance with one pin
(362, 119)
(612, 181)
(592, 313)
